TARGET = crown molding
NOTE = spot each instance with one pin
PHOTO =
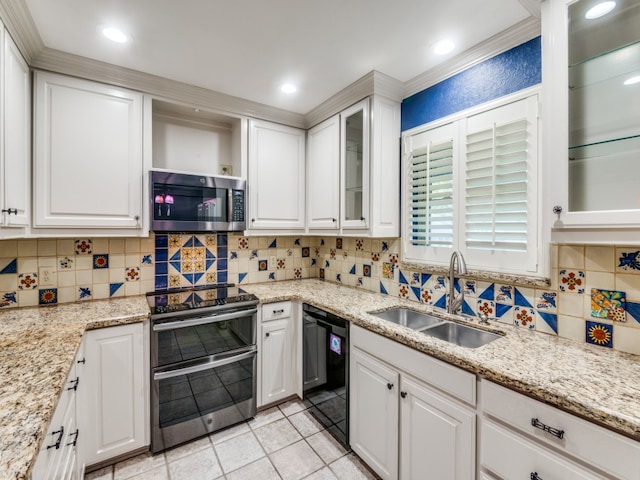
(533, 7)
(21, 27)
(373, 83)
(512, 37)
(75, 65)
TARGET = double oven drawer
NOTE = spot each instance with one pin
(204, 374)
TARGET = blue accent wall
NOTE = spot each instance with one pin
(496, 77)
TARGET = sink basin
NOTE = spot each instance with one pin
(408, 318)
(461, 335)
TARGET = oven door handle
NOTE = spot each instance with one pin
(204, 366)
(192, 322)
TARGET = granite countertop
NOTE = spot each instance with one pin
(37, 347)
(39, 344)
(596, 383)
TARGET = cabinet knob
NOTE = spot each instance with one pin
(403, 394)
(253, 220)
(389, 386)
(82, 360)
(334, 220)
(557, 210)
(266, 334)
(535, 476)
(362, 219)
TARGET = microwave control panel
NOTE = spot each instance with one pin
(237, 210)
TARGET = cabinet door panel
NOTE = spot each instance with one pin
(113, 407)
(277, 360)
(88, 157)
(323, 175)
(17, 136)
(276, 176)
(438, 436)
(373, 413)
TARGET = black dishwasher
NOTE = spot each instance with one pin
(326, 370)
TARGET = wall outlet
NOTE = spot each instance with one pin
(47, 277)
(225, 170)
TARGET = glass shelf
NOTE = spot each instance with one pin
(609, 146)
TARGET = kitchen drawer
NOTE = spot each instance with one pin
(611, 452)
(272, 311)
(511, 456)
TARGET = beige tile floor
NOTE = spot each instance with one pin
(283, 442)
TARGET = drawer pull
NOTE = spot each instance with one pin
(403, 394)
(60, 433)
(389, 386)
(75, 438)
(553, 431)
(74, 384)
(278, 312)
(535, 476)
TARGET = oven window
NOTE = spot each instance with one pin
(185, 397)
(189, 204)
(202, 340)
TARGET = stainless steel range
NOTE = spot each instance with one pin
(203, 362)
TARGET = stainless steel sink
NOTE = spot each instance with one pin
(461, 335)
(408, 318)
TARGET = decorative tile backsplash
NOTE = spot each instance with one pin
(594, 296)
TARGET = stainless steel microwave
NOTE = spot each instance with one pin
(182, 202)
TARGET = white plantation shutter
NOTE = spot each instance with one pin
(429, 202)
(499, 192)
(496, 187)
(471, 185)
(431, 186)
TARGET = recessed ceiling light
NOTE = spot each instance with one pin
(600, 10)
(115, 34)
(288, 88)
(443, 47)
(632, 80)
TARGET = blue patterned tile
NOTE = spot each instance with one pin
(8, 299)
(366, 270)
(263, 265)
(242, 277)
(629, 260)
(222, 277)
(338, 278)
(101, 261)
(415, 294)
(222, 264)
(114, 287)
(402, 280)
(162, 240)
(520, 300)
(502, 309)
(551, 321)
(467, 310)
(383, 290)
(353, 270)
(9, 266)
(48, 296)
(547, 301)
(147, 259)
(633, 311)
(424, 278)
(84, 293)
(504, 294)
(305, 252)
(441, 302)
(599, 334)
(488, 293)
(222, 240)
(161, 282)
(273, 244)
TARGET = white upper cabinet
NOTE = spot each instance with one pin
(353, 169)
(88, 164)
(276, 177)
(323, 175)
(15, 140)
(592, 122)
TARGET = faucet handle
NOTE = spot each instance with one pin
(484, 318)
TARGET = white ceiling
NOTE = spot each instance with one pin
(247, 48)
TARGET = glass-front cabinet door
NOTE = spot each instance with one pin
(354, 139)
(591, 76)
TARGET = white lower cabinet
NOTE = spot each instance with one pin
(411, 416)
(113, 406)
(61, 448)
(277, 353)
(524, 438)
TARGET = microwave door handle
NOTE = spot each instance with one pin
(204, 366)
(192, 322)
(229, 205)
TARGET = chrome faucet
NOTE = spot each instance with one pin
(455, 302)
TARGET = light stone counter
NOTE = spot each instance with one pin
(597, 383)
(37, 346)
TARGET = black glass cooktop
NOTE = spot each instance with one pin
(184, 299)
